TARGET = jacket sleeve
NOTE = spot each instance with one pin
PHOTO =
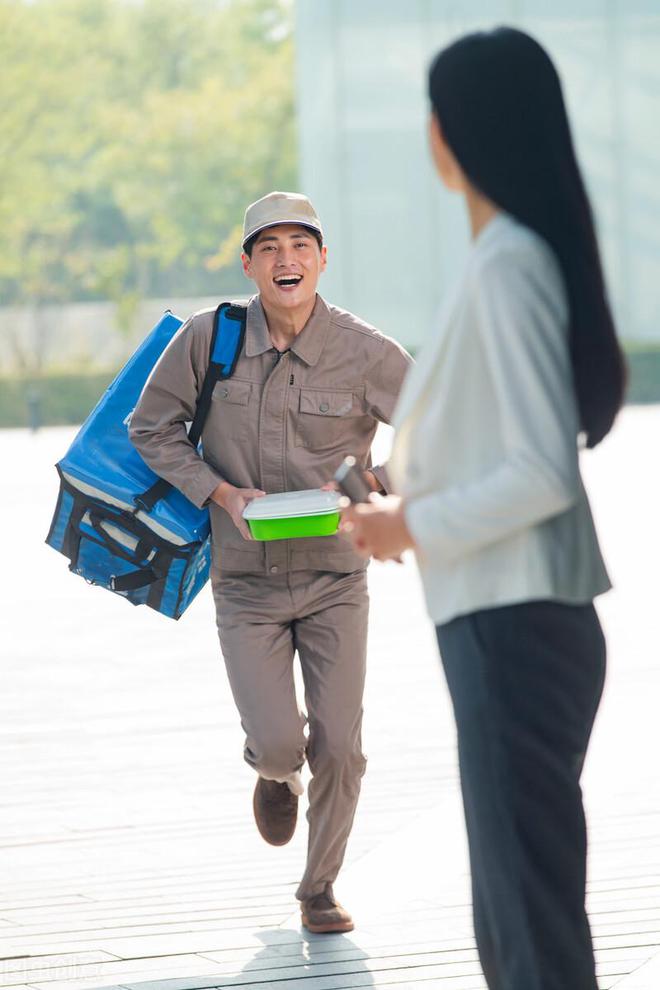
(521, 319)
(382, 392)
(158, 427)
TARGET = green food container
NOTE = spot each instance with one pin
(293, 514)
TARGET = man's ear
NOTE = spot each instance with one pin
(324, 258)
(247, 265)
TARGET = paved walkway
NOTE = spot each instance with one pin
(128, 857)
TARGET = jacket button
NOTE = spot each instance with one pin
(224, 393)
(274, 569)
(324, 407)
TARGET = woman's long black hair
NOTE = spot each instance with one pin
(498, 100)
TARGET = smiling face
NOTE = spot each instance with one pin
(285, 265)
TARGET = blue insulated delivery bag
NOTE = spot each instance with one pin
(121, 526)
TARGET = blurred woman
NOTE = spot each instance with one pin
(524, 362)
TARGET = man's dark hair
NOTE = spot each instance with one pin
(498, 100)
(249, 244)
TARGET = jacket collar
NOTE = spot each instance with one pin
(257, 338)
(309, 343)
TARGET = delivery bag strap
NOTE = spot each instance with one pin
(226, 343)
(97, 515)
(73, 536)
(155, 574)
(134, 579)
(142, 549)
(155, 567)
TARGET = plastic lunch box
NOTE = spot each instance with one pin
(284, 517)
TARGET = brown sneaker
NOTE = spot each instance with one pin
(322, 913)
(275, 811)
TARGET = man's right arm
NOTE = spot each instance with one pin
(158, 427)
(159, 431)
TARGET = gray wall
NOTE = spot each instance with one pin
(396, 238)
(79, 336)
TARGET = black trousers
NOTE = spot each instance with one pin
(525, 682)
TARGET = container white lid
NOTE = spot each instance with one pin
(288, 505)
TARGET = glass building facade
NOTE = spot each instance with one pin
(396, 239)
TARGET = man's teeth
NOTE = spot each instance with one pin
(288, 280)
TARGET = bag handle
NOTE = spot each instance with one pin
(142, 548)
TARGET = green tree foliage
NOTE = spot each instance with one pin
(132, 135)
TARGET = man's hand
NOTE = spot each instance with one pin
(233, 501)
(373, 482)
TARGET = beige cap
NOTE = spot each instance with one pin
(279, 207)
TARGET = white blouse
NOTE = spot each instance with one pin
(486, 451)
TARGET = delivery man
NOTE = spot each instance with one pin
(311, 385)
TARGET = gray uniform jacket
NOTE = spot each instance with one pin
(282, 422)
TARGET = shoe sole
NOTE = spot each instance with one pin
(271, 842)
(338, 926)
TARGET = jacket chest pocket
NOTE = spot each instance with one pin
(326, 419)
(230, 401)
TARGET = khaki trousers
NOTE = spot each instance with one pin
(262, 622)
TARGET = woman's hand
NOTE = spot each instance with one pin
(378, 527)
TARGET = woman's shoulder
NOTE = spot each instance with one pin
(512, 258)
(505, 243)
